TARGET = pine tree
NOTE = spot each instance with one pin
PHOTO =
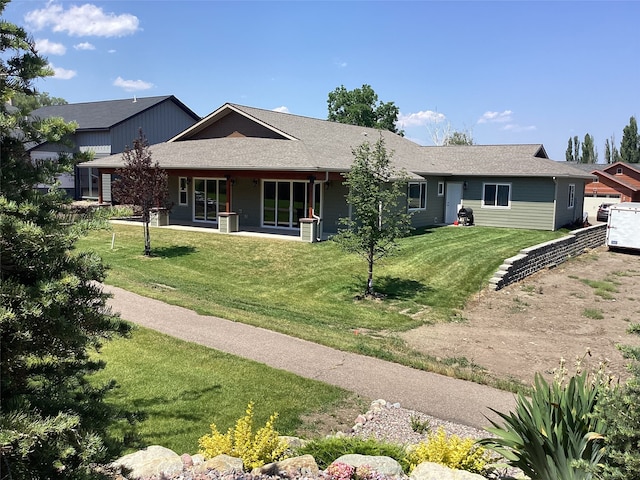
(52, 309)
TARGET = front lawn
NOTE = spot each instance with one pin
(177, 389)
(308, 290)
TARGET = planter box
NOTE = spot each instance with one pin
(228, 222)
(159, 217)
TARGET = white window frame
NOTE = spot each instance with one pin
(572, 196)
(441, 189)
(422, 199)
(495, 200)
(619, 171)
(182, 191)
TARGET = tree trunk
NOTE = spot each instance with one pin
(147, 239)
(369, 290)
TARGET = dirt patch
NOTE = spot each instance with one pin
(583, 305)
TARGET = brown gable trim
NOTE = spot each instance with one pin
(214, 116)
(614, 180)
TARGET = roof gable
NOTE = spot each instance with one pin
(106, 114)
(222, 123)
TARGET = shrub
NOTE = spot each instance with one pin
(620, 409)
(255, 450)
(326, 450)
(450, 451)
(554, 435)
(344, 471)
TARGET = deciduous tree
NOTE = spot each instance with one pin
(459, 138)
(360, 106)
(379, 211)
(630, 144)
(589, 152)
(611, 153)
(52, 310)
(141, 183)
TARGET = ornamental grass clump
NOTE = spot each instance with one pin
(554, 434)
(450, 451)
(264, 447)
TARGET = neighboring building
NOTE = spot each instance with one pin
(611, 183)
(106, 128)
(274, 170)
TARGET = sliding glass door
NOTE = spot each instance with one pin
(210, 198)
(285, 202)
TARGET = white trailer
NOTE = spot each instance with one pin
(623, 226)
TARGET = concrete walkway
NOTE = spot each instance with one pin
(436, 395)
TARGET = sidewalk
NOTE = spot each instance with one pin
(436, 395)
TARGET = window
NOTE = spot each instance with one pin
(619, 171)
(417, 195)
(572, 196)
(440, 189)
(497, 195)
(182, 200)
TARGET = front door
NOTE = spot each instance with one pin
(453, 202)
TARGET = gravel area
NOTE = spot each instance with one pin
(390, 422)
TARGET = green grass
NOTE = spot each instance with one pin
(180, 388)
(603, 288)
(593, 313)
(308, 290)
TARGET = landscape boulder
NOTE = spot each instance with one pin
(435, 471)
(304, 465)
(222, 464)
(153, 460)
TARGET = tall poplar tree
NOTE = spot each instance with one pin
(630, 144)
(589, 152)
(53, 422)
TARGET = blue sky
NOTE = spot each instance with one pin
(507, 71)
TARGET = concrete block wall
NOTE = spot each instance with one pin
(549, 254)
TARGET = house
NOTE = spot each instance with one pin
(247, 168)
(612, 183)
(107, 127)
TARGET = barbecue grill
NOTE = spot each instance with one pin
(465, 216)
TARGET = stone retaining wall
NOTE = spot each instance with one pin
(549, 254)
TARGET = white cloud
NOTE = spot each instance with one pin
(111, 51)
(84, 46)
(282, 109)
(496, 117)
(82, 20)
(46, 47)
(132, 85)
(62, 73)
(420, 119)
(519, 128)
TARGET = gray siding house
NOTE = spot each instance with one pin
(107, 127)
(246, 168)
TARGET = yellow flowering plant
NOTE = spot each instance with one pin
(264, 447)
(450, 451)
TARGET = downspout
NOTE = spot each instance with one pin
(555, 204)
(100, 201)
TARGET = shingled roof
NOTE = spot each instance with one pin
(310, 144)
(106, 114)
